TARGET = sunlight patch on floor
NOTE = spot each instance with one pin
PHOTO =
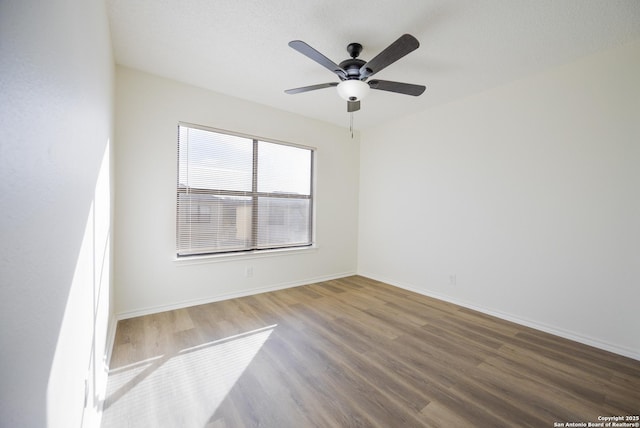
(183, 389)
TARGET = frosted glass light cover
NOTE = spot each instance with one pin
(353, 90)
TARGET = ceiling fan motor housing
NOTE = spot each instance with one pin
(353, 65)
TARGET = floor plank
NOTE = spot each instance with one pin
(355, 352)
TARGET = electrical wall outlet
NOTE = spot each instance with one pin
(248, 271)
(452, 279)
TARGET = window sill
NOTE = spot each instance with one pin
(257, 254)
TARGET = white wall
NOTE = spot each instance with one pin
(527, 193)
(147, 278)
(56, 86)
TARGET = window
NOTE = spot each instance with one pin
(238, 193)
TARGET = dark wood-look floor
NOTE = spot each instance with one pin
(354, 352)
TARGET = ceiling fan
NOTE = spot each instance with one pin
(354, 72)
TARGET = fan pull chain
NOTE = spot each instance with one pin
(351, 124)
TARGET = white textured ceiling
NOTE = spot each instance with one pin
(239, 47)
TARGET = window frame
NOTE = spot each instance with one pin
(254, 194)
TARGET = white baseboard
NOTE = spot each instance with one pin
(227, 296)
(616, 349)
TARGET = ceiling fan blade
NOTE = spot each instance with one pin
(353, 106)
(396, 50)
(313, 54)
(310, 88)
(398, 87)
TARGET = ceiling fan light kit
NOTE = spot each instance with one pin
(354, 72)
(353, 90)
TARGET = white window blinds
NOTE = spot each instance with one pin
(241, 194)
